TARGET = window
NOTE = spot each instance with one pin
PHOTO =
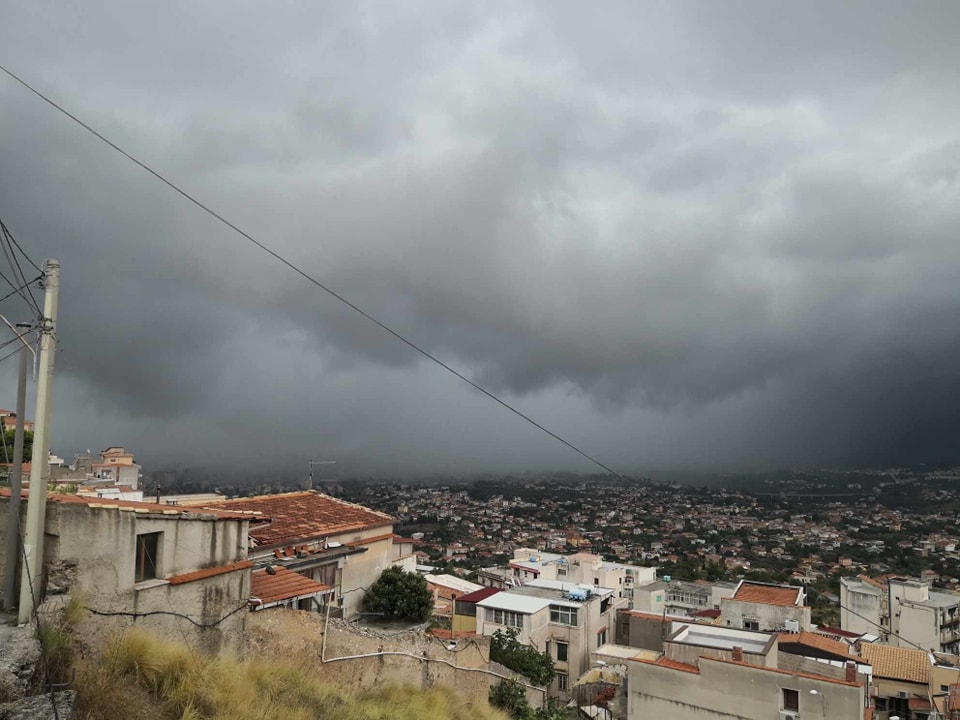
(563, 615)
(561, 681)
(148, 557)
(945, 688)
(596, 581)
(505, 617)
(561, 571)
(791, 699)
(602, 637)
(562, 651)
(659, 598)
(751, 624)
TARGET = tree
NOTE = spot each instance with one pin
(509, 696)
(534, 665)
(6, 448)
(399, 594)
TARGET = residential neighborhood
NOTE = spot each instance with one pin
(592, 592)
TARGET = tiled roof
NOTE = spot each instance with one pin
(283, 585)
(768, 594)
(142, 507)
(833, 630)
(299, 516)
(809, 676)
(209, 572)
(824, 644)
(478, 595)
(668, 663)
(897, 663)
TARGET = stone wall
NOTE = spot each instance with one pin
(404, 658)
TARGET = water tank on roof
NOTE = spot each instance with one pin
(666, 578)
(533, 558)
(578, 594)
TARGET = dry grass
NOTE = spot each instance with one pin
(140, 676)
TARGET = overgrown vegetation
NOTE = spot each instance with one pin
(141, 677)
(510, 697)
(534, 665)
(399, 594)
(54, 635)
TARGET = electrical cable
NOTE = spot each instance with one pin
(202, 625)
(306, 276)
(7, 242)
(22, 251)
(886, 630)
(15, 264)
(17, 290)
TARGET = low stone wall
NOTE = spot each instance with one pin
(406, 658)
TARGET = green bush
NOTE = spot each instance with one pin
(534, 665)
(399, 594)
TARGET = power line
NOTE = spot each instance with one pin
(305, 275)
(886, 630)
(22, 251)
(10, 247)
(17, 290)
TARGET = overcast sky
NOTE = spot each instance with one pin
(677, 233)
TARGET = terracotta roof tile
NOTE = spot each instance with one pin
(819, 642)
(209, 572)
(897, 663)
(768, 594)
(145, 507)
(668, 663)
(301, 515)
(809, 676)
(283, 585)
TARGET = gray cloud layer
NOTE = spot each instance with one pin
(689, 233)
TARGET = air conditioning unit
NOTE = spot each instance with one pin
(789, 715)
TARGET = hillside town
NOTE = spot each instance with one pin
(649, 599)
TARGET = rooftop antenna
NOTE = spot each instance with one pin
(310, 465)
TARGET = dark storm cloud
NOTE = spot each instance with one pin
(709, 232)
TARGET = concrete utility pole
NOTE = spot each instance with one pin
(13, 521)
(30, 581)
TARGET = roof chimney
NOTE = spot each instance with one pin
(737, 653)
(851, 672)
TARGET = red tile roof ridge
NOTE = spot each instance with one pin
(805, 637)
(304, 515)
(282, 584)
(135, 505)
(666, 662)
(808, 676)
(765, 594)
(209, 572)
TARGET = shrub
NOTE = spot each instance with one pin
(399, 594)
(534, 665)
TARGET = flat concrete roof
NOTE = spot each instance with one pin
(514, 603)
(721, 637)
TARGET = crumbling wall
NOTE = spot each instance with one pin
(406, 658)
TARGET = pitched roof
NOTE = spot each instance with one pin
(282, 585)
(761, 593)
(209, 572)
(478, 595)
(897, 663)
(666, 662)
(135, 506)
(809, 676)
(819, 642)
(299, 516)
